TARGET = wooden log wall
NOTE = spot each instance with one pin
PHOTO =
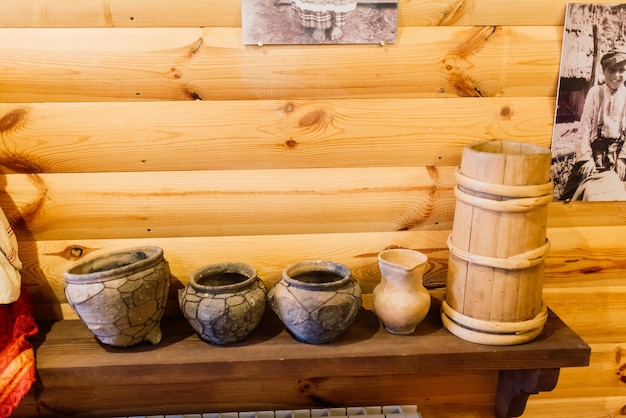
(126, 123)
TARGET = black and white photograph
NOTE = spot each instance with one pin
(267, 22)
(588, 156)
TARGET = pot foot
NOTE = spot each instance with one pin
(154, 336)
(403, 331)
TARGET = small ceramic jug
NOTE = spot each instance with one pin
(224, 302)
(400, 300)
(317, 300)
(121, 295)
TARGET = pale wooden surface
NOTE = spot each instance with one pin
(222, 203)
(258, 134)
(142, 13)
(99, 117)
(212, 64)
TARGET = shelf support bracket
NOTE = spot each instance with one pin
(515, 386)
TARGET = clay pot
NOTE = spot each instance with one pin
(400, 300)
(316, 300)
(121, 295)
(224, 302)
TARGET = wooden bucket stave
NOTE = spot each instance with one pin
(498, 243)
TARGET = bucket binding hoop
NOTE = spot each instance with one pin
(521, 198)
(519, 261)
(491, 332)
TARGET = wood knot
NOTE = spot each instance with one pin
(288, 108)
(74, 252)
(591, 270)
(291, 143)
(433, 192)
(177, 74)
(393, 247)
(22, 164)
(506, 113)
(12, 119)
(196, 47)
(315, 118)
(620, 373)
(432, 172)
(447, 64)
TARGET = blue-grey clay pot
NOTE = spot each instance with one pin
(224, 302)
(316, 300)
(121, 295)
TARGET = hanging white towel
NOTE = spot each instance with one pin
(10, 264)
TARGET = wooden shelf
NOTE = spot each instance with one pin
(270, 370)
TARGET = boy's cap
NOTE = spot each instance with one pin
(613, 57)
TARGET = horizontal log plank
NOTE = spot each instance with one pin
(221, 203)
(162, 13)
(596, 314)
(579, 407)
(124, 64)
(249, 202)
(603, 376)
(209, 135)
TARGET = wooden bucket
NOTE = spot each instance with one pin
(498, 244)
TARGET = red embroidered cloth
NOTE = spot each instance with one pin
(17, 357)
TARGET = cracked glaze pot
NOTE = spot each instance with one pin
(317, 300)
(224, 302)
(121, 295)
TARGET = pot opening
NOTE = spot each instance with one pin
(318, 276)
(405, 258)
(115, 262)
(221, 278)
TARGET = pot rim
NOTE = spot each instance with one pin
(416, 258)
(245, 270)
(291, 272)
(79, 273)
